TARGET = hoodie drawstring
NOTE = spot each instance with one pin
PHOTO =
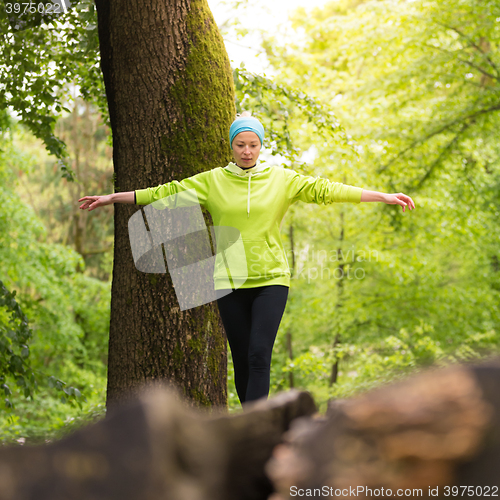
(257, 169)
(248, 196)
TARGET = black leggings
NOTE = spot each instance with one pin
(251, 317)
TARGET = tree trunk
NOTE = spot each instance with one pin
(171, 101)
(289, 343)
(338, 306)
(289, 349)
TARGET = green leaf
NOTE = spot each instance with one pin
(51, 381)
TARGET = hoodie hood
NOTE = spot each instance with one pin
(257, 169)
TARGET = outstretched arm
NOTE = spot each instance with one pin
(391, 199)
(93, 202)
(320, 190)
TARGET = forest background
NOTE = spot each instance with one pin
(393, 96)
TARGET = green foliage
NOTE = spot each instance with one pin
(401, 96)
(55, 200)
(15, 351)
(277, 104)
(40, 61)
(416, 85)
(416, 82)
(53, 324)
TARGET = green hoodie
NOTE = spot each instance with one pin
(268, 192)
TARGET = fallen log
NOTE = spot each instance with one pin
(438, 429)
(155, 447)
(425, 435)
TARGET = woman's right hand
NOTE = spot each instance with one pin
(93, 202)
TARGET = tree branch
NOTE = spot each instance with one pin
(98, 251)
(437, 132)
(438, 160)
(472, 43)
(483, 71)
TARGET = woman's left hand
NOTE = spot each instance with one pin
(399, 199)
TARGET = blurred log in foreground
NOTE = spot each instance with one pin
(156, 448)
(438, 429)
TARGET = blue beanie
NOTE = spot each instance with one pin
(244, 123)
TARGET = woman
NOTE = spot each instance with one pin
(252, 197)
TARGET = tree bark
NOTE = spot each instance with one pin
(170, 95)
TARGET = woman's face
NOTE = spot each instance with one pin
(246, 149)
